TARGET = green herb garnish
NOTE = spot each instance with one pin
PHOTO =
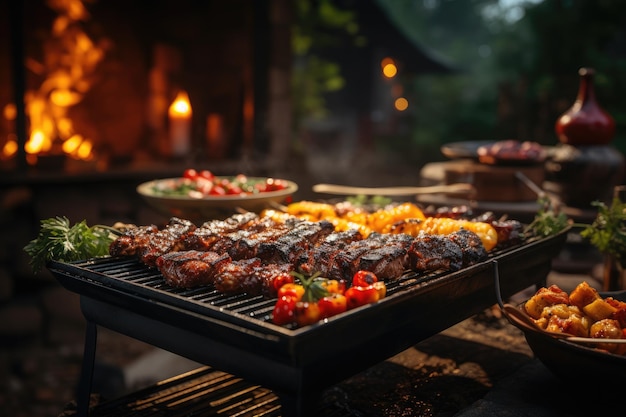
(58, 240)
(549, 220)
(608, 231)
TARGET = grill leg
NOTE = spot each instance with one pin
(86, 373)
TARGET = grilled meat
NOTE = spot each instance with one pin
(190, 269)
(471, 246)
(168, 239)
(245, 252)
(228, 241)
(209, 232)
(319, 257)
(344, 263)
(290, 246)
(248, 246)
(433, 252)
(391, 259)
(249, 276)
(132, 241)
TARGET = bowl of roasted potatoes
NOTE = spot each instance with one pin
(578, 335)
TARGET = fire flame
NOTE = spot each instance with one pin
(70, 60)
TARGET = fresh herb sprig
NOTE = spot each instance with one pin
(59, 240)
(549, 220)
(608, 230)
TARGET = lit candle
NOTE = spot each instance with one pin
(180, 124)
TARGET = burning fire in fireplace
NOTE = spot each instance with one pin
(70, 58)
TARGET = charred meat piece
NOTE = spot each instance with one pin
(434, 252)
(249, 276)
(227, 241)
(319, 257)
(129, 243)
(247, 246)
(290, 246)
(168, 239)
(389, 260)
(204, 236)
(345, 262)
(190, 269)
(471, 246)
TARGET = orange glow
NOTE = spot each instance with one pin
(65, 97)
(10, 148)
(386, 61)
(38, 142)
(72, 144)
(401, 104)
(10, 111)
(180, 107)
(84, 150)
(390, 70)
(66, 70)
(388, 67)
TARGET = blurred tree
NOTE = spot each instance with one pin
(520, 62)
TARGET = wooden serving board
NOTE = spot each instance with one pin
(495, 182)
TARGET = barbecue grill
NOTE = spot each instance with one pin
(234, 333)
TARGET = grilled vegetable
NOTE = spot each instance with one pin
(332, 305)
(380, 219)
(318, 298)
(364, 278)
(360, 296)
(444, 226)
(284, 310)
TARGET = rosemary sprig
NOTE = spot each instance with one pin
(59, 240)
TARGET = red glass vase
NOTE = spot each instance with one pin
(585, 123)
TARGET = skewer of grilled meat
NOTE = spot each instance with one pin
(168, 239)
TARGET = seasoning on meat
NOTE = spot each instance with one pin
(168, 239)
(190, 269)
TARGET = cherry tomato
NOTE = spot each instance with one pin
(364, 278)
(206, 174)
(205, 187)
(291, 289)
(217, 190)
(284, 310)
(234, 189)
(272, 184)
(307, 313)
(332, 305)
(279, 281)
(381, 288)
(190, 173)
(359, 296)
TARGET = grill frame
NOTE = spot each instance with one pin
(295, 363)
